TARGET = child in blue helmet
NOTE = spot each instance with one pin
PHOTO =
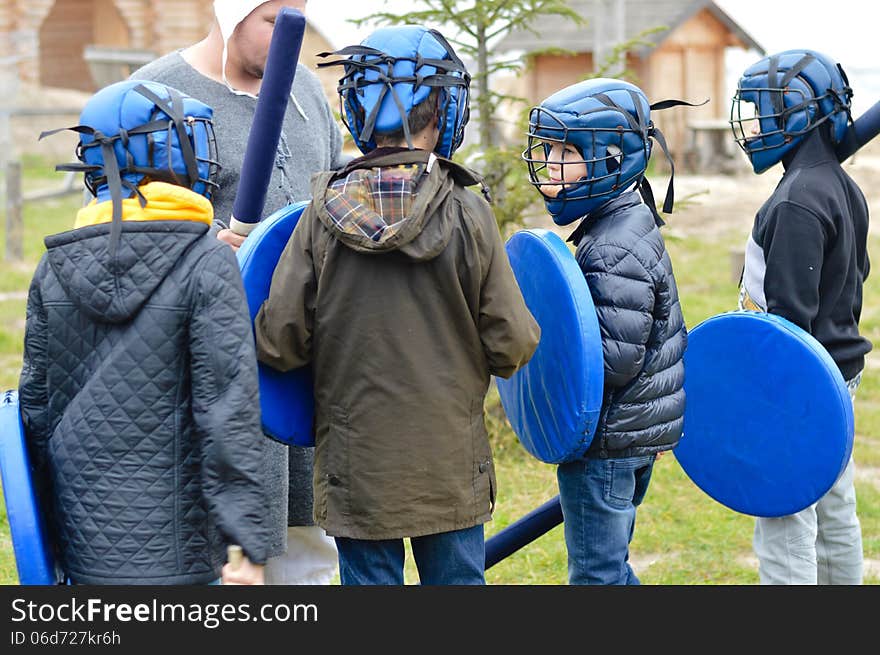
(396, 287)
(806, 260)
(588, 148)
(137, 390)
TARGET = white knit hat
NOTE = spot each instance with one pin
(229, 14)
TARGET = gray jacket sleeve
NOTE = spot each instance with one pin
(623, 294)
(226, 404)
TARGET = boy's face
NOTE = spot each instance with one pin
(747, 118)
(565, 165)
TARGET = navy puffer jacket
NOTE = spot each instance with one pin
(623, 257)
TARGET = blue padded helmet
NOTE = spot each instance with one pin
(609, 122)
(393, 70)
(133, 132)
(789, 94)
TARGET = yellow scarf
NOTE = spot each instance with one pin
(165, 202)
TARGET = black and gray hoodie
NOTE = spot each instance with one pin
(806, 258)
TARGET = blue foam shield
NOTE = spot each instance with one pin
(286, 399)
(553, 402)
(30, 543)
(768, 424)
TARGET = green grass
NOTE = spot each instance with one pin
(682, 536)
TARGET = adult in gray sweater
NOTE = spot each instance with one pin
(224, 70)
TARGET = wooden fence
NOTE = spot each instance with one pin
(12, 174)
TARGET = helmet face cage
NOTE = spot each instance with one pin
(757, 131)
(782, 98)
(454, 115)
(614, 151)
(603, 157)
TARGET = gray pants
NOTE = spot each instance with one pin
(821, 544)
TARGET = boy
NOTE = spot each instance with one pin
(588, 149)
(136, 391)
(396, 286)
(806, 260)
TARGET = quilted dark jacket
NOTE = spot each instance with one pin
(139, 400)
(622, 254)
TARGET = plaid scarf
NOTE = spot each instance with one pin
(375, 202)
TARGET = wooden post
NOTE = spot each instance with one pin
(14, 226)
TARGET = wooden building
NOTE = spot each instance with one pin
(683, 60)
(85, 44)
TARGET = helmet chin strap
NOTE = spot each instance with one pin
(649, 130)
(656, 134)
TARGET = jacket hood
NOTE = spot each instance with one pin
(162, 202)
(113, 289)
(390, 200)
(815, 148)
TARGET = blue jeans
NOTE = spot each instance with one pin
(599, 499)
(446, 558)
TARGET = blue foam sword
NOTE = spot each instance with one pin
(259, 155)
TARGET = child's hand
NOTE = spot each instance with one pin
(240, 571)
(228, 236)
(246, 573)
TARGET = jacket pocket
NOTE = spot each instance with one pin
(483, 465)
(626, 480)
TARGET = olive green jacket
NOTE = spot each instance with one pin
(404, 313)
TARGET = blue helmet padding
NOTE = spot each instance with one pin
(392, 71)
(794, 92)
(287, 405)
(768, 425)
(120, 108)
(581, 115)
(553, 402)
(408, 41)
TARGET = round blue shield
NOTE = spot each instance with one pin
(768, 424)
(286, 399)
(553, 402)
